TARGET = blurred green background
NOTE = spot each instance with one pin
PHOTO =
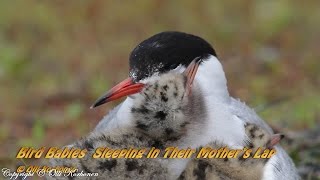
(57, 57)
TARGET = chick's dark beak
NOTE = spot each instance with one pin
(124, 88)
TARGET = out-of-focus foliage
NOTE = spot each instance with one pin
(57, 57)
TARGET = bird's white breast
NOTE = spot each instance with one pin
(221, 125)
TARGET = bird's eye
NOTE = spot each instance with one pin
(173, 66)
(170, 66)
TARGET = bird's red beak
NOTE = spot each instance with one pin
(124, 88)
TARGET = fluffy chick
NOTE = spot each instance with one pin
(234, 168)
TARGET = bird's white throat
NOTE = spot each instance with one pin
(211, 79)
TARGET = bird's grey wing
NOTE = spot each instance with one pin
(247, 114)
(279, 166)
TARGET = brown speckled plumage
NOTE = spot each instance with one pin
(159, 114)
(232, 168)
(112, 168)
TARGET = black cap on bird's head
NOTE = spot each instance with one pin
(158, 54)
(165, 51)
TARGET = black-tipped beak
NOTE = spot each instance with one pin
(124, 88)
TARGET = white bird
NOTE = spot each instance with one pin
(225, 117)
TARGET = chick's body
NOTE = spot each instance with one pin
(238, 168)
(159, 119)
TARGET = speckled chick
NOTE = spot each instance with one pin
(234, 168)
(162, 115)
